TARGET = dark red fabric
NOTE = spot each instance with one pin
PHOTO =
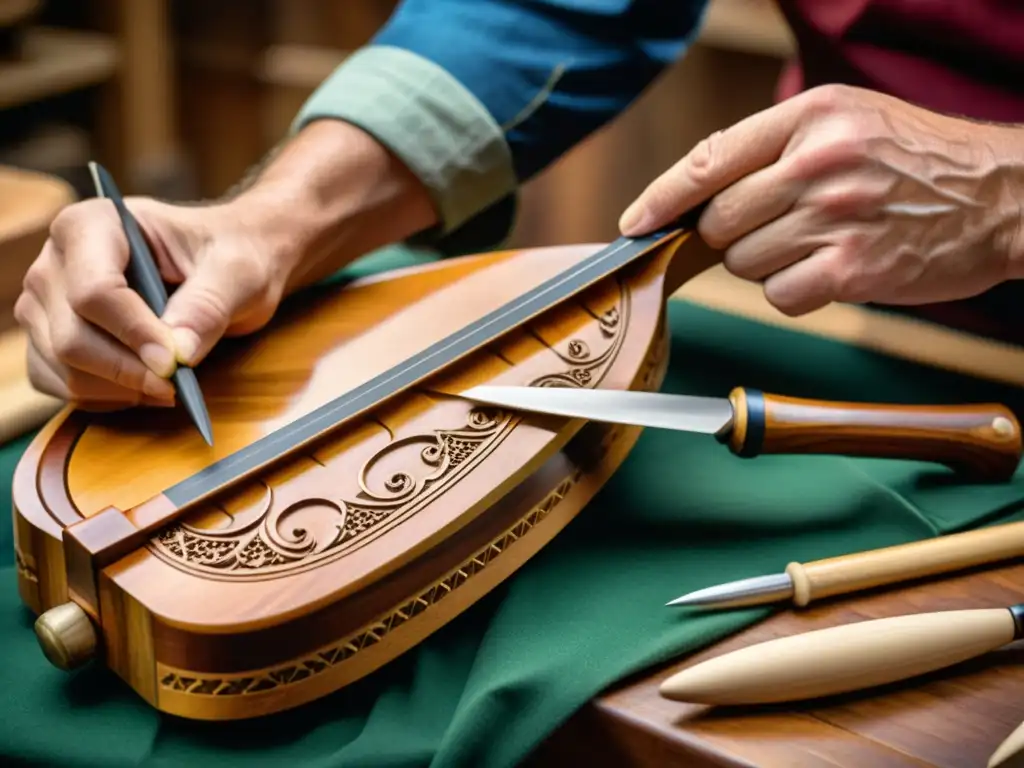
(963, 57)
(959, 57)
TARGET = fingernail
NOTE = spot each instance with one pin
(632, 220)
(187, 342)
(157, 402)
(157, 358)
(156, 387)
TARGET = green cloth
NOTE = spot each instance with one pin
(681, 514)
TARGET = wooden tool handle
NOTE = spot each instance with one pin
(1011, 748)
(980, 441)
(878, 567)
(845, 658)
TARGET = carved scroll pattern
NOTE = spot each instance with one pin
(581, 363)
(320, 661)
(280, 533)
(276, 535)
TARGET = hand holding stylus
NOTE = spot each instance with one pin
(144, 277)
(93, 338)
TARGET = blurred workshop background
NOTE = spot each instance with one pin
(178, 98)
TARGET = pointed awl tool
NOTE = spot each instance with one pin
(803, 583)
(144, 278)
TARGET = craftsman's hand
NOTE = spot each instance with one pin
(842, 194)
(94, 341)
(331, 195)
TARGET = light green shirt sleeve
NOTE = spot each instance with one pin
(433, 124)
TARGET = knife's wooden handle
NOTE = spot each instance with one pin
(846, 658)
(982, 441)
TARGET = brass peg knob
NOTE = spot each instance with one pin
(66, 635)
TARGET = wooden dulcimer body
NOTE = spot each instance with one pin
(313, 544)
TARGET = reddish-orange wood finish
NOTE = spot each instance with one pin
(312, 572)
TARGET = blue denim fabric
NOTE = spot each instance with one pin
(549, 71)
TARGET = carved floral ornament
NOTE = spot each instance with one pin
(297, 671)
(273, 536)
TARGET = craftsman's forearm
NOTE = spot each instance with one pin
(331, 195)
(478, 96)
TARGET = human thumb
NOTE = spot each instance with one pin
(202, 308)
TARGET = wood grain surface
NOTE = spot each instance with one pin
(954, 718)
(29, 201)
(341, 552)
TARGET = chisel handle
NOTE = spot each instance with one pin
(1012, 746)
(981, 441)
(847, 658)
(904, 562)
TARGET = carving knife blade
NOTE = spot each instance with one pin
(686, 413)
(979, 440)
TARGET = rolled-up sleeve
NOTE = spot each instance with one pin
(478, 96)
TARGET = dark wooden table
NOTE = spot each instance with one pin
(954, 718)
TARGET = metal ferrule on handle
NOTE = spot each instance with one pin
(745, 435)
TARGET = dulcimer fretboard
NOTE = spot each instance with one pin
(284, 441)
